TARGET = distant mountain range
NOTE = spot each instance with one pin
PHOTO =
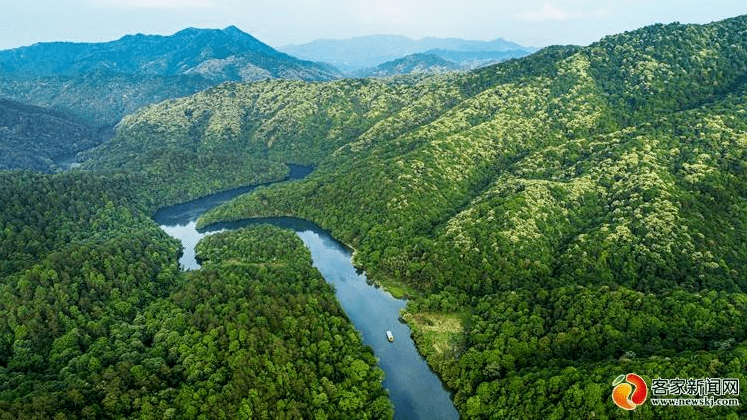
(469, 60)
(218, 55)
(102, 82)
(357, 53)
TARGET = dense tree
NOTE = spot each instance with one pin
(97, 321)
(616, 167)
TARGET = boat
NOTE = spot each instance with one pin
(389, 336)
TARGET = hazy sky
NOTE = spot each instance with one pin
(280, 22)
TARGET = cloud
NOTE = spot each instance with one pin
(551, 13)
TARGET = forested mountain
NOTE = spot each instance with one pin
(99, 99)
(370, 51)
(31, 136)
(97, 321)
(412, 64)
(217, 55)
(583, 210)
(557, 221)
(100, 83)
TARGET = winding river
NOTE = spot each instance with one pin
(415, 390)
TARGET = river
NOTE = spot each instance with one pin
(415, 390)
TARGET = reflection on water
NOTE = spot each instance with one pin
(189, 236)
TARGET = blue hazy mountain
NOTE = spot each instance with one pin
(218, 55)
(474, 58)
(370, 51)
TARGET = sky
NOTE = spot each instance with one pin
(535, 23)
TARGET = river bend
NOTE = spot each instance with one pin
(415, 390)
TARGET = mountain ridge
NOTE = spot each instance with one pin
(99, 83)
(162, 55)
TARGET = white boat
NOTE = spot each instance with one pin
(389, 336)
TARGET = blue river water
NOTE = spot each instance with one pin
(415, 390)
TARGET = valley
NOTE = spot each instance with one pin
(554, 221)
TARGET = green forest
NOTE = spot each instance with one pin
(555, 221)
(99, 322)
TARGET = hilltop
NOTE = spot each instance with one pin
(412, 64)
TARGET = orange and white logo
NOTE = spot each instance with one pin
(630, 391)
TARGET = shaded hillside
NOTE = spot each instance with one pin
(546, 198)
(411, 64)
(30, 137)
(99, 99)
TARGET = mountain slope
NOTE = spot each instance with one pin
(286, 121)
(584, 209)
(30, 137)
